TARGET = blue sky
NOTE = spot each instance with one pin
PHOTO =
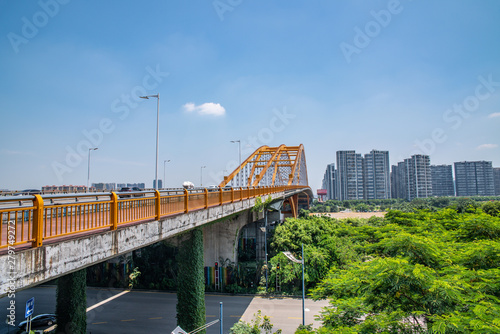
(404, 76)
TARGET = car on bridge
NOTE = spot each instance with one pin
(28, 192)
(130, 189)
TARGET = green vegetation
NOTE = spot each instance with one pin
(191, 283)
(71, 307)
(158, 267)
(259, 324)
(432, 266)
(431, 203)
(425, 271)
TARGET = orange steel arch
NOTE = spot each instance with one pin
(272, 166)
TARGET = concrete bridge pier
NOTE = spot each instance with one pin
(220, 239)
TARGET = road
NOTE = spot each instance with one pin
(136, 311)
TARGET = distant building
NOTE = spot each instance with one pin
(442, 180)
(160, 184)
(419, 182)
(349, 175)
(376, 175)
(412, 178)
(139, 185)
(130, 185)
(321, 195)
(104, 186)
(329, 182)
(474, 178)
(496, 180)
(398, 181)
(63, 189)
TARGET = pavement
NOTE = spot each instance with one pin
(116, 311)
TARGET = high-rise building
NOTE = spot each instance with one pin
(398, 181)
(496, 180)
(349, 175)
(442, 180)
(376, 176)
(412, 178)
(329, 182)
(419, 182)
(474, 178)
(160, 184)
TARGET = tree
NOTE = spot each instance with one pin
(191, 283)
(492, 208)
(421, 272)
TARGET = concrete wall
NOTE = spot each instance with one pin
(33, 266)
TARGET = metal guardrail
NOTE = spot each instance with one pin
(32, 219)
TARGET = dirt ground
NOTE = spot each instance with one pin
(341, 215)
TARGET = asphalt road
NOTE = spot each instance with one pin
(140, 311)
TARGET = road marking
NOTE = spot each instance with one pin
(235, 316)
(156, 318)
(107, 300)
(128, 320)
(98, 323)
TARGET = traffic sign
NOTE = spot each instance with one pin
(30, 306)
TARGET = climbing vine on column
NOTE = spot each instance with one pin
(191, 283)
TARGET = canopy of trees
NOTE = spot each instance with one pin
(411, 272)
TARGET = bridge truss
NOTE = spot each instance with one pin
(271, 166)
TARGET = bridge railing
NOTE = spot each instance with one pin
(33, 219)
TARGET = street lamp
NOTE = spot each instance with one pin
(88, 170)
(164, 162)
(201, 175)
(293, 259)
(239, 166)
(157, 132)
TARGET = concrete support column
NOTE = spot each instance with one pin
(71, 306)
(220, 240)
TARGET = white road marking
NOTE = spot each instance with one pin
(107, 300)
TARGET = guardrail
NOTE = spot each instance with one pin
(32, 219)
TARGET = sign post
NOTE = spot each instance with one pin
(30, 307)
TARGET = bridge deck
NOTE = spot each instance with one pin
(31, 220)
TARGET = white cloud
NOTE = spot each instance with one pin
(495, 114)
(212, 109)
(486, 146)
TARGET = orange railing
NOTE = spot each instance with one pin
(32, 219)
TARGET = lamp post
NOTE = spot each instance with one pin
(201, 175)
(265, 245)
(164, 163)
(293, 259)
(239, 166)
(157, 132)
(88, 169)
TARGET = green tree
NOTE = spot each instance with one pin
(492, 208)
(71, 306)
(421, 272)
(191, 283)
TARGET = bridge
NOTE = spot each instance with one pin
(43, 237)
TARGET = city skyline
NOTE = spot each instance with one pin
(367, 177)
(403, 76)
